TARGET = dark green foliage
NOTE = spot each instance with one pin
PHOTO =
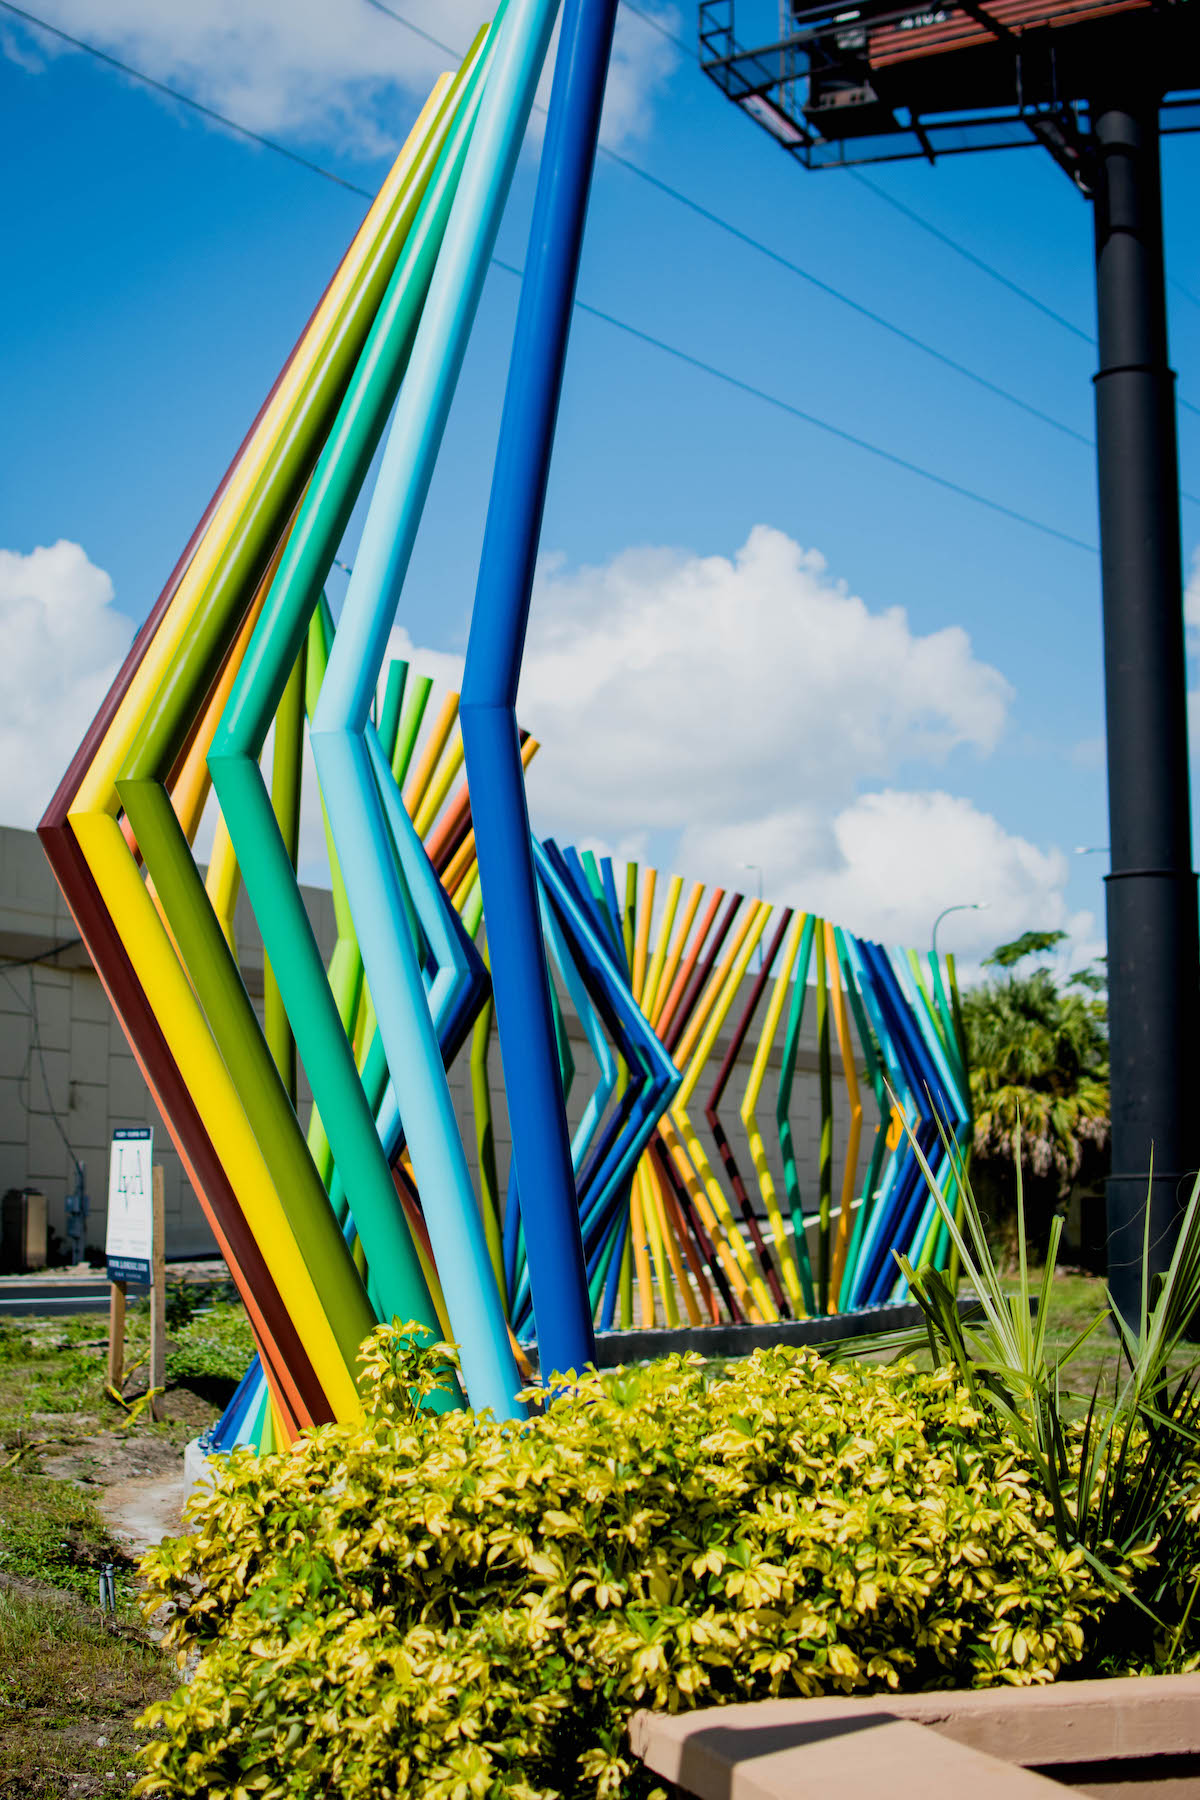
(213, 1347)
(1039, 1081)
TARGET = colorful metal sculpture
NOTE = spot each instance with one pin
(367, 1208)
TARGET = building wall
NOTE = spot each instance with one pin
(68, 1077)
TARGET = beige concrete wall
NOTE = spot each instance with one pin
(68, 1076)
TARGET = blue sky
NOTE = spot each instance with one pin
(158, 269)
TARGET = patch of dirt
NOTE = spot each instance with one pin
(135, 1482)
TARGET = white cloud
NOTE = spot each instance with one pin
(63, 643)
(701, 712)
(736, 708)
(331, 72)
(888, 862)
(716, 712)
(672, 689)
(1191, 597)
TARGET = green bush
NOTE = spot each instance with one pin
(441, 1606)
(214, 1346)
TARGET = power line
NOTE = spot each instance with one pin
(909, 212)
(418, 29)
(796, 412)
(978, 262)
(935, 231)
(857, 306)
(657, 25)
(806, 275)
(665, 188)
(621, 325)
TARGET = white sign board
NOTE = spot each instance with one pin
(129, 1240)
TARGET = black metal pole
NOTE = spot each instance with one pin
(1153, 950)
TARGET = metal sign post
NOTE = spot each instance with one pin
(135, 1250)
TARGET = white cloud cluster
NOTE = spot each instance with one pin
(723, 712)
(673, 689)
(889, 861)
(705, 712)
(330, 72)
(63, 643)
(737, 707)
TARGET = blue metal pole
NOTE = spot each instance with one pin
(520, 979)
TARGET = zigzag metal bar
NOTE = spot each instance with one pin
(373, 1212)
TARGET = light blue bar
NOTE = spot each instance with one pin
(344, 763)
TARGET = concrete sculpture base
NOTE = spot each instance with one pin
(1123, 1739)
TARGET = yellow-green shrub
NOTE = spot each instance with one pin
(439, 1606)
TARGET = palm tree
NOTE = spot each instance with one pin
(1039, 1079)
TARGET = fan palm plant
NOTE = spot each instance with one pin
(1039, 1081)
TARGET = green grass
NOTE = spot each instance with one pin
(54, 1375)
(70, 1688)
(51, 1532)
(213, 1346)
(71, 1682)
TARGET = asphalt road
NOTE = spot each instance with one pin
(27, 1298)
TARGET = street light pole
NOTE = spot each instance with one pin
(758, 872)
(962, 906)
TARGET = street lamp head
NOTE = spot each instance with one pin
(960, 906)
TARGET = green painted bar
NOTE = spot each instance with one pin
(410, 724)
(286, 757)
(221, 993)
(485, 1143)
(787, 1076)
(346, 1117)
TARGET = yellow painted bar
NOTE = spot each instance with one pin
(190, 788)
(671, 1243)
(641, 947)
(465, 889)
(656, 1231)
(841, 1022)
(716, 983)
(721, 998)
(662, 993)
(712, 1225)
(121, 888)
(223, 880)
(200, 1064)
(641, 1259)
(657, 1224)
(422, 775)
(435, 799)
(754, 1137)
(97, 792)
(687, 1130)
(650, 987)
